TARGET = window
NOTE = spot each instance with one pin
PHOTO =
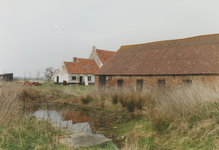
(161, 82)
(74, 78)
(89, 78)
(139, 85)
(86, 67)
(120, 83)
(187, 82)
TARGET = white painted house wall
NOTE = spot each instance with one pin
(63, 72)
(64, 75)
(83, 79)
(95, 57)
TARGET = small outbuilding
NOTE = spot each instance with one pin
(163, 63)
(7, 77)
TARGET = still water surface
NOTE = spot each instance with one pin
(73, 124)
(77, 120)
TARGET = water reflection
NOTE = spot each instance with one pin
(74, 122)
(54, 117)
(76, 119)
(94, 121)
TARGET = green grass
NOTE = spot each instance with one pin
(126, 127)
(192, 133)
(31, 134)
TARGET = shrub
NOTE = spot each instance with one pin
(159, 123)
(122, 101)
(115, 98)
(130, 105)
(130, 100)
(29, 94)
(140, 103)
(87, 99)
(102, 105)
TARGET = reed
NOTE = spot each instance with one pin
(19, 130)
(185, 117)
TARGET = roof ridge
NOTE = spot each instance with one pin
(85, 58)
(104, 50)
(180, 39)
(79, 59)
(177, 46)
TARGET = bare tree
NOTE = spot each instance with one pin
(24, 76)
(49, 73)
(30, 75)
(38, 75)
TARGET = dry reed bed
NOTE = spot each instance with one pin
(188, 113)
(185, 114)
(170, 103)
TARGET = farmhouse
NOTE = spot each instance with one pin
(163, 63)
(100, 56)
(81, 70)
(7, 77)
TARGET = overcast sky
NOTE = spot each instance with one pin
(35, 34)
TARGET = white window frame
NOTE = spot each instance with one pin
(74, 77)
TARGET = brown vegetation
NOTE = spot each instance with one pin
(185, 115)
(29, 83)
(86, 99)
(164, 103)
(18, 130)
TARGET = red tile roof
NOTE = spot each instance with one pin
(196, 55)
(104, 55)
(82, 66)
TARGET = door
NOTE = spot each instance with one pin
(57, 79)
(120, 83)
(81, 80)
(102, 82)
(139, 85)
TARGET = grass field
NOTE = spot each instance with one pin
(186, 117)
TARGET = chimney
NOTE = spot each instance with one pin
(94, 48)
(74, 59)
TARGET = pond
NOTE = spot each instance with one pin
(78, 119)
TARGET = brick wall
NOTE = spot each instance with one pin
(152, 81)
(96, 82)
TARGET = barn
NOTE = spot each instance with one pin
(7, 77)
(162, 64)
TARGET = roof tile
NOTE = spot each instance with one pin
(82, 66)
(104, 55)
(196, 55)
